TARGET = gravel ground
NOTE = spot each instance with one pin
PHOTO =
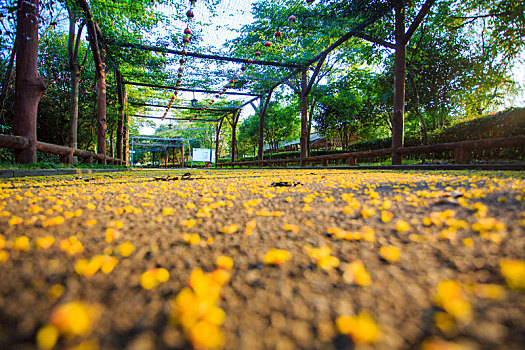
(366, 259)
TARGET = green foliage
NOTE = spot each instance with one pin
(503, 124)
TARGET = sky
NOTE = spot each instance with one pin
(230, 16)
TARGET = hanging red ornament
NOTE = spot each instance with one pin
(278, 34)
(309, 1)
(185, 40)
(243, 68)
(232, 81)
(179, 75)
(212, 101)
(175, 93)
(267, 43)
(178, 81)
(235, 77)
(187, 31)
(184, 52)
(182, 61)
(291, 18)
(257, 53)
(181, 70)
(224, 89)
(217, 95)
(190, 14)
(250, 60)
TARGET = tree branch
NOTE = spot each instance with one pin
(79, 37)
(86, 56)
(375, 40)
(484, 16)
(425, 9)
(315, 73)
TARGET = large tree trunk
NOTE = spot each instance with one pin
(309, 128)
(29, 87)
(398, 118)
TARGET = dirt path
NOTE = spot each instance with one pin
(376, 259)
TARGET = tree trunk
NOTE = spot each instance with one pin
(235, 118)
(304, 116)
(399, 84)
(29, 87)
(121, 90)
(309, 128)
(111, 148)
(217, 134)
(100, 69)
(101, 114)
(125, 150)
(73, 108)
(262, 114)
(182, 155)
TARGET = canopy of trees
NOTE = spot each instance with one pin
(459, 66)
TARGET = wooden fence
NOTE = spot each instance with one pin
(462, 152)
(19, 142)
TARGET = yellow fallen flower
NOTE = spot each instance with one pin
(224, 262)
(452, 298)
(355, 272)
(75, 318)
(402, 226)
(514, 273)
(276, 256)
(55, 221)
(154, 277)
(44, 242)
(229, 229)
(71, 245)
(390, 253)
(361, 328)
(126, 249)
(21, 243)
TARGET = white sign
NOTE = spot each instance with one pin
(203, 155)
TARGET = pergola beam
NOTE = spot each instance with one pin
(204, 56)
(189, 90)
(183, 119)
(229, 109)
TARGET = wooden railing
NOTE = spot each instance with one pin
(462, 152)
(18, 142)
